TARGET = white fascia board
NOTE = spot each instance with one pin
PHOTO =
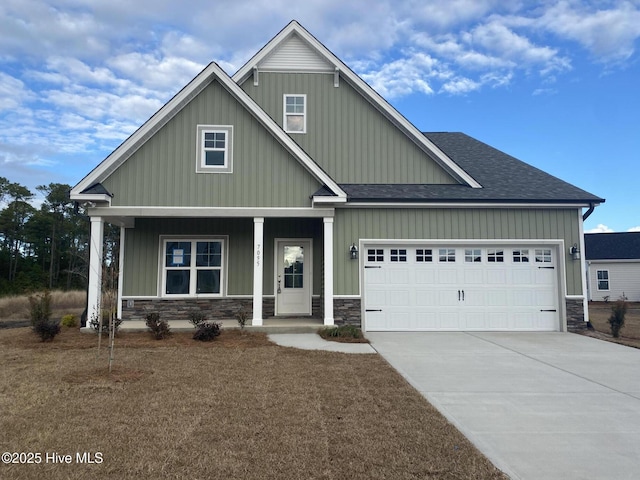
(179, 101)
(457, 205)
(207, 212)
(91, 197)
(613, 260)
(462, 241)
(365, 89)
(328, 200)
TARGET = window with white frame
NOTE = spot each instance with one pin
(543, 255)
(215, 149)
(295, 114)
(398, 255)
(603, 279)
(521, 256)
(424, 255)
(495, 255)
(193, 267)
(375, 255)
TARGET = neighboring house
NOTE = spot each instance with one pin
(294, 189)
(613, 265)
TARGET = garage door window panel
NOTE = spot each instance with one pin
(447, 255)
(495, 256)
(398, 255)
(424, 255)
(521, 256)
(473, 255)
(375, 255)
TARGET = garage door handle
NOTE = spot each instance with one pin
(372, 310)
(458, 295)
(548, 268)
(372, 266)
(548, 310)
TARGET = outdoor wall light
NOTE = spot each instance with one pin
(353, 252)
(575, 251)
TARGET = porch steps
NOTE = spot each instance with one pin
(270, 325)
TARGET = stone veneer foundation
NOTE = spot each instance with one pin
(575, 315)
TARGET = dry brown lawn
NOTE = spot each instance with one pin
(237, 408)
(599, 313)
(15, 308)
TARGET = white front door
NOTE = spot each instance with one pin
(293, 277)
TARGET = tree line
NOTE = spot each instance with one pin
(46, 247)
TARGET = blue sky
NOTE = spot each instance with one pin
(554, 83)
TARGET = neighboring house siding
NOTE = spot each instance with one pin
(163, 171)
(472, 224)
(142, 256)
(351, 140)
(624, 278)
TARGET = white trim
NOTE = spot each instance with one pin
(286, 114)
(224, 267)
(617, 260)
(258, 269)
(328, 199)
(347, 297)
(176, 104)
(328, 270)
(458, 205)
(201, 149)
(365, 90)
(583, 268)
(94, 289)
(212, 212)
(91, 197)
(121, 271)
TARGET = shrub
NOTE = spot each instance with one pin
(159, 328)
(196, 317)
(207, 331)
(70, 321)
(40, 312)
(342, 331)
(242, 316)
(616, 320)
(46, 329)
(95, 323)
(40, 307)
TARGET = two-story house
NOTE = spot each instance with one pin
(294, 189)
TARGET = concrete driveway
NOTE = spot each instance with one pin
(539, 405)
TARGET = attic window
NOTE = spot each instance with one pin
(215, 149)
(295, 114)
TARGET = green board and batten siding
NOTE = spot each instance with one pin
(455, 224)
(342, 125)
(142, 245)
(163, 171)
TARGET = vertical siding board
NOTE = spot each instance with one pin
(162, 171)
(352, 128)
(355, 224)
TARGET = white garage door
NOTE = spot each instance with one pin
(460, 288)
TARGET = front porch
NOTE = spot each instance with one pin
(269, 325)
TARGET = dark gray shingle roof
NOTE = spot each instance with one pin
(503, 178)
(612, 246)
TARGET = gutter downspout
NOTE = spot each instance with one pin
(588, 212)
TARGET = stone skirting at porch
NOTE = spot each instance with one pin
(215, 308)
(575, 315)
(346, 311)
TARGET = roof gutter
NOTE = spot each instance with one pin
(588, 212)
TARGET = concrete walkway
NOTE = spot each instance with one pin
(313, 341)
(539, 405)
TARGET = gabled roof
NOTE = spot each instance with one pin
(612, 246)
(504, 179)
(301, 35)
(178, 102)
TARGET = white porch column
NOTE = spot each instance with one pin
(258, 260)
(328, 270)
(121, 270)
(94, 291)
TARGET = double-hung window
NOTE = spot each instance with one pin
(603, 279)
(193, 267)
(295, 114)
(215, 149)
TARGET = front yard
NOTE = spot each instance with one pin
(599, 312)
(237, 408)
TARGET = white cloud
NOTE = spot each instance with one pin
(601, 228)
(13, 92)
(609, 34)
(404, 76)
(634, 229)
